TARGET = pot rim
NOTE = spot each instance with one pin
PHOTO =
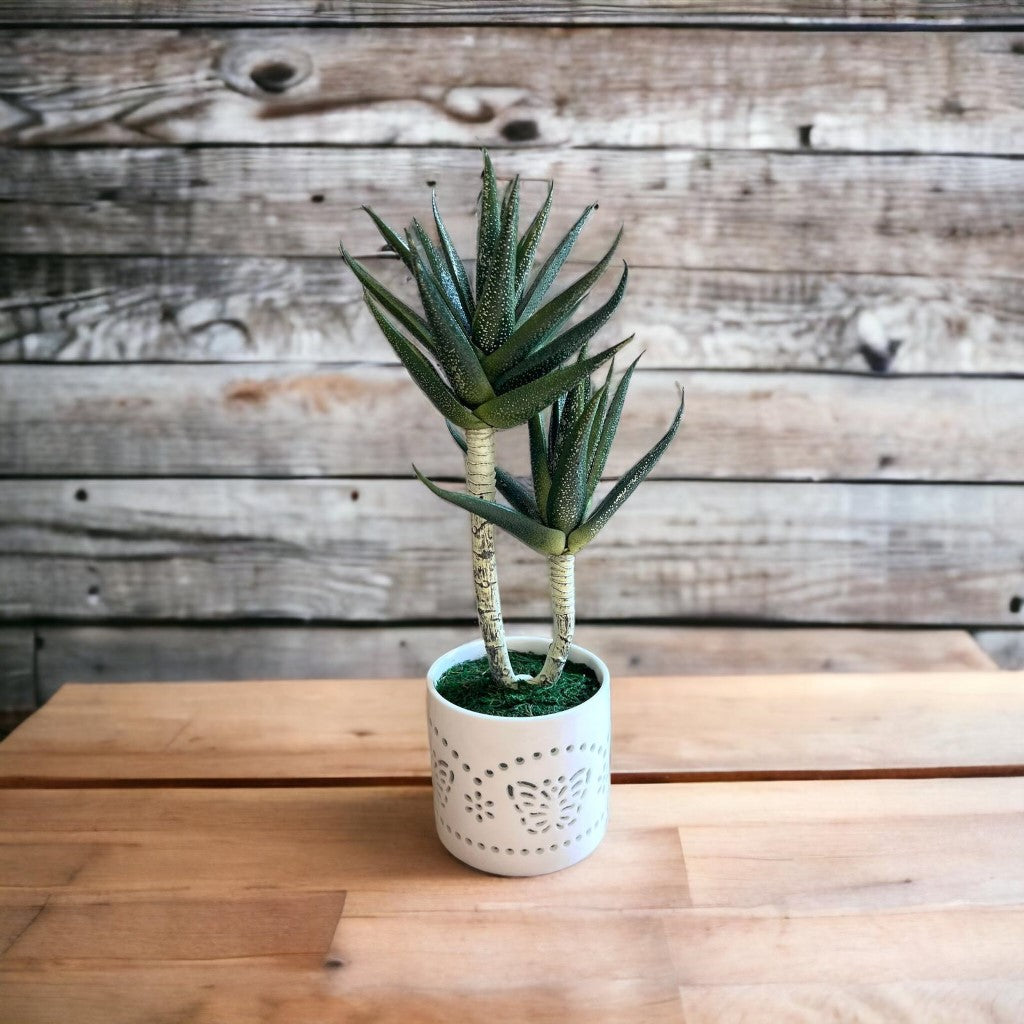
(575, 650)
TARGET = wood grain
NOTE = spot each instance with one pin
(496, 86)
(808, 13)
(941, 215)
(193, 308)
(701, 896)
(302, 420)
(689, 726)
(389, 551)
(105, 654)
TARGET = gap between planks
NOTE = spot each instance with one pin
(618, 778)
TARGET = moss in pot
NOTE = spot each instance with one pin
(491, 355)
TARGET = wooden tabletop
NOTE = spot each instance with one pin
(787, 848)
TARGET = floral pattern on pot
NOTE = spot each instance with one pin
(550, 804)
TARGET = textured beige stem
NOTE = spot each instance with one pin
(561, 577)
(480, 482)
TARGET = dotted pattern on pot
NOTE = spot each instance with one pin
(546, 807)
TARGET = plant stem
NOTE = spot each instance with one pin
(561, 578)
(480, 482)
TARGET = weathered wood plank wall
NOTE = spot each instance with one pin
(200, 477)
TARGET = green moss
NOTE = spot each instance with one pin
(468, 685)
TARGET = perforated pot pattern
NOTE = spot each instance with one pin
(520, 796)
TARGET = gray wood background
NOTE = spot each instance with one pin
(205, 445)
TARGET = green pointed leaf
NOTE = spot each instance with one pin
(542, 326)
(454, 261)
(576, 399)
(517, 406)
(595, 433)
(406, 316)
(488, 224)
(558, 349)
(554, 425)
(396, 243)
(496, 310)
(534, 295)
(442, 276)
(626, 485)
(568, 497)
(526, 251)
(533, 534)
(609, 426)
(452, 348)
(511, 488)
(539, 461)
(423, 373)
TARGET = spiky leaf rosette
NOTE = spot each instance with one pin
(491, 352)
(554, 512)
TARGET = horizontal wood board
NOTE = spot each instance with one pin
(358, 420)
(853, 13)
(105, 654)
(210, 309)
(943, 215)
(662, 727)
(703, 899)
(388, 550)
(498, 86)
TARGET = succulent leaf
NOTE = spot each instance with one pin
(568, 497)
(532, 533)
(517, 406)
(539, 461)
(542, 326)
(406, 316)
(597, 430)
(394, 241)
(526, 251)
(554, 427)
(511, 488)
(423, 373)
(558, 349)
(451, 255)
(610, 425)
(625, 486)
(452, 348)
(443, 279)
(534, 295)
(488, 226)
(496, 310)
(575, 400)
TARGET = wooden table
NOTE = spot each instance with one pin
(804, 848)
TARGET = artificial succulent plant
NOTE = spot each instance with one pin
(495, 353)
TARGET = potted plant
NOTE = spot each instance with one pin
(519, 728)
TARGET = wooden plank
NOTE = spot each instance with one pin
(302, 420)
(678, 726)
(700, 897)
(214, 308)
(734, 210)
(384, 550)
(804, 13)
(1004, 646)
(112, 654)
(495, 86)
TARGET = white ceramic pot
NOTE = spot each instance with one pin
(520, 796)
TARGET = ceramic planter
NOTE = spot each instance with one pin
(520, 796)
